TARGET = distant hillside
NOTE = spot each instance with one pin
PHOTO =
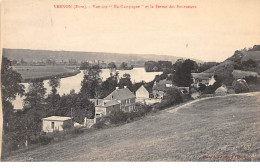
(38, 55)
(236, 62)
(254, 55)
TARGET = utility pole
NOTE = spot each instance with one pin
(71, 116)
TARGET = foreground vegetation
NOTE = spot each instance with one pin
(216, 129)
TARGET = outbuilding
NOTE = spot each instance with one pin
(56, 123)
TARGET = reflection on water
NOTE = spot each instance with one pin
(74, 82)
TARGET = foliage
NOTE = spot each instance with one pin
(182, 76)
(137, 85)
(112, 65)
(152, 66)
(126, 81)
(224, 74)
(255, 48)
(91, 84)
(117, 117)
(35, 95)
(240, 86)
(173, 96)
(109, 85)
(10, 87)
(84, 66)
(205, 66)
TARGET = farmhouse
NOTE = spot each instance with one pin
(125, 97)
(105, 107)
(56, 123)
(159, 88)
(202, 78)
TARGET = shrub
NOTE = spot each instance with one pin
(77, 130)
(100, 124)
(45, 139)
(240, 86)
(117, 117)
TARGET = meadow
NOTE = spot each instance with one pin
(45, 72)
(211, 129)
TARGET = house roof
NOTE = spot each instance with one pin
(120, 94)
(104, 103)
(142, 87)
(202, 75)
(161, 85)
(57, 118)
(164, 82)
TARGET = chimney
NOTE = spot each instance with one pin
(117, 87)
(125, 86)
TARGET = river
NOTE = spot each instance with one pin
(74, 82)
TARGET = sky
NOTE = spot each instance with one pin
(210, 32)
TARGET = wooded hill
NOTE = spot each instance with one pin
(38, 55)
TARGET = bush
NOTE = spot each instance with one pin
(240, 86)
(45, 139)
(34, 139)
(117, 117)
(77, 130)
(100, 124)
(173, 97)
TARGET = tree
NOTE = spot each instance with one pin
(11, 87)
(109, 85)
(53, 98)
(182, 76)
(54, 84)
(123, 65)
(84, 65)
(91, 84)
(112, 65)
(126, 81)
(35, 95)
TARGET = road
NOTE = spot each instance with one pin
(211, 129)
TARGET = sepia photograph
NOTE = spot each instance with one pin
(130, 81)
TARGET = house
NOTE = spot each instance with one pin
(202, 78)
(105, 107)
(56, 123)
(142, 93)
(159, 88)
(125, 97)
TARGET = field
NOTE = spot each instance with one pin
(44, 72)
(210, 129)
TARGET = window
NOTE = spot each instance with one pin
(52, 125)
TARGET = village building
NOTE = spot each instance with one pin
(202, 78)
(105, 107)
(159, 88)
(56, 123)
(125, 97)
(142, 93)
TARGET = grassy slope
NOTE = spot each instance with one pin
(221, 126)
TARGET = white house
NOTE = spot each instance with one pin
(56, 123)
(142, 93)
(125, 97)
(202, 78)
